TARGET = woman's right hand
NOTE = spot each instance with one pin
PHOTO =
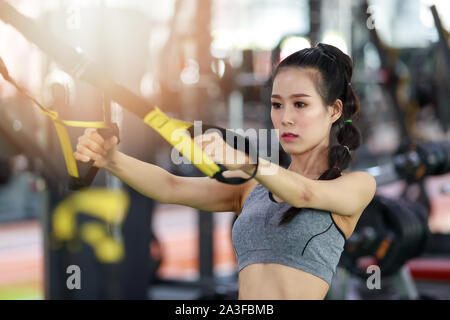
(92, 146)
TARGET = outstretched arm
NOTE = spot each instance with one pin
(347, 195)
(154, 182)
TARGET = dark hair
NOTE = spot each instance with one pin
(334, 73)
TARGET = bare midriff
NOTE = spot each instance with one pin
(271, 281)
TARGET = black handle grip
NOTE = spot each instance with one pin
(237, 142)
(234, 180)
(88, 168)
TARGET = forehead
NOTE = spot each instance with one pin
(294, 80)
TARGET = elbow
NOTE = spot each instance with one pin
(304, 199)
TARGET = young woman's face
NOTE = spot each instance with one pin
(298, 108)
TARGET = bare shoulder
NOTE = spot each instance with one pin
(362, 179)
(359, 177)
(347, 195)
(364, 183)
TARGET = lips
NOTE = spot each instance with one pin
(289, 134)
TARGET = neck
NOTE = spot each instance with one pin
(312, 163)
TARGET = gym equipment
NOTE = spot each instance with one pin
(431, 83)
(417, 160)
(106, 205)
(105, 130)
(84, 233)
(422, 63)
(394, 231)
(443, 35)
(391, 231)
(413, 162)
(79, 65)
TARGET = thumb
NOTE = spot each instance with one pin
(111, 142)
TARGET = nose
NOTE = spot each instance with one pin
(288, 117)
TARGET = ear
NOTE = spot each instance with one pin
(336, 110)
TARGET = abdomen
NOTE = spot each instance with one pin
(271, 281)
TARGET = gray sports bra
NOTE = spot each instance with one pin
(311, 241)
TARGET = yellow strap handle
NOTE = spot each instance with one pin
(64, 139)
(174, 131)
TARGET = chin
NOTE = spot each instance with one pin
(289, 148)
(294, 147)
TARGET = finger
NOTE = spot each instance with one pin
(235, 174)
(94, 135)
(200, 141)
(81, 149)
(197, 140)
(214, 135)
(92, 145)
(207, 139)
(111, 142)
(212, 155)
(80, 157)
(89, 131)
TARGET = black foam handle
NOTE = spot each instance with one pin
(88, 168)
(235, 141)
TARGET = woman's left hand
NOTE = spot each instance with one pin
(221, 152)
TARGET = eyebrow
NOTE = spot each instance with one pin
(295, 95)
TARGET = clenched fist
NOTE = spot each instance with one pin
(92, 146)
(220, 152)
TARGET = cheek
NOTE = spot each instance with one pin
(306, 122)
(312, 123)
(275, 119)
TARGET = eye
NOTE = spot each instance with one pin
(300, 104)
(276, 105)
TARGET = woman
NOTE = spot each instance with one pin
(292, 224)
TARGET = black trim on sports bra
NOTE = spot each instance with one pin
(271, 198)
(331, 216)
(316, 236)
(339, 229)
